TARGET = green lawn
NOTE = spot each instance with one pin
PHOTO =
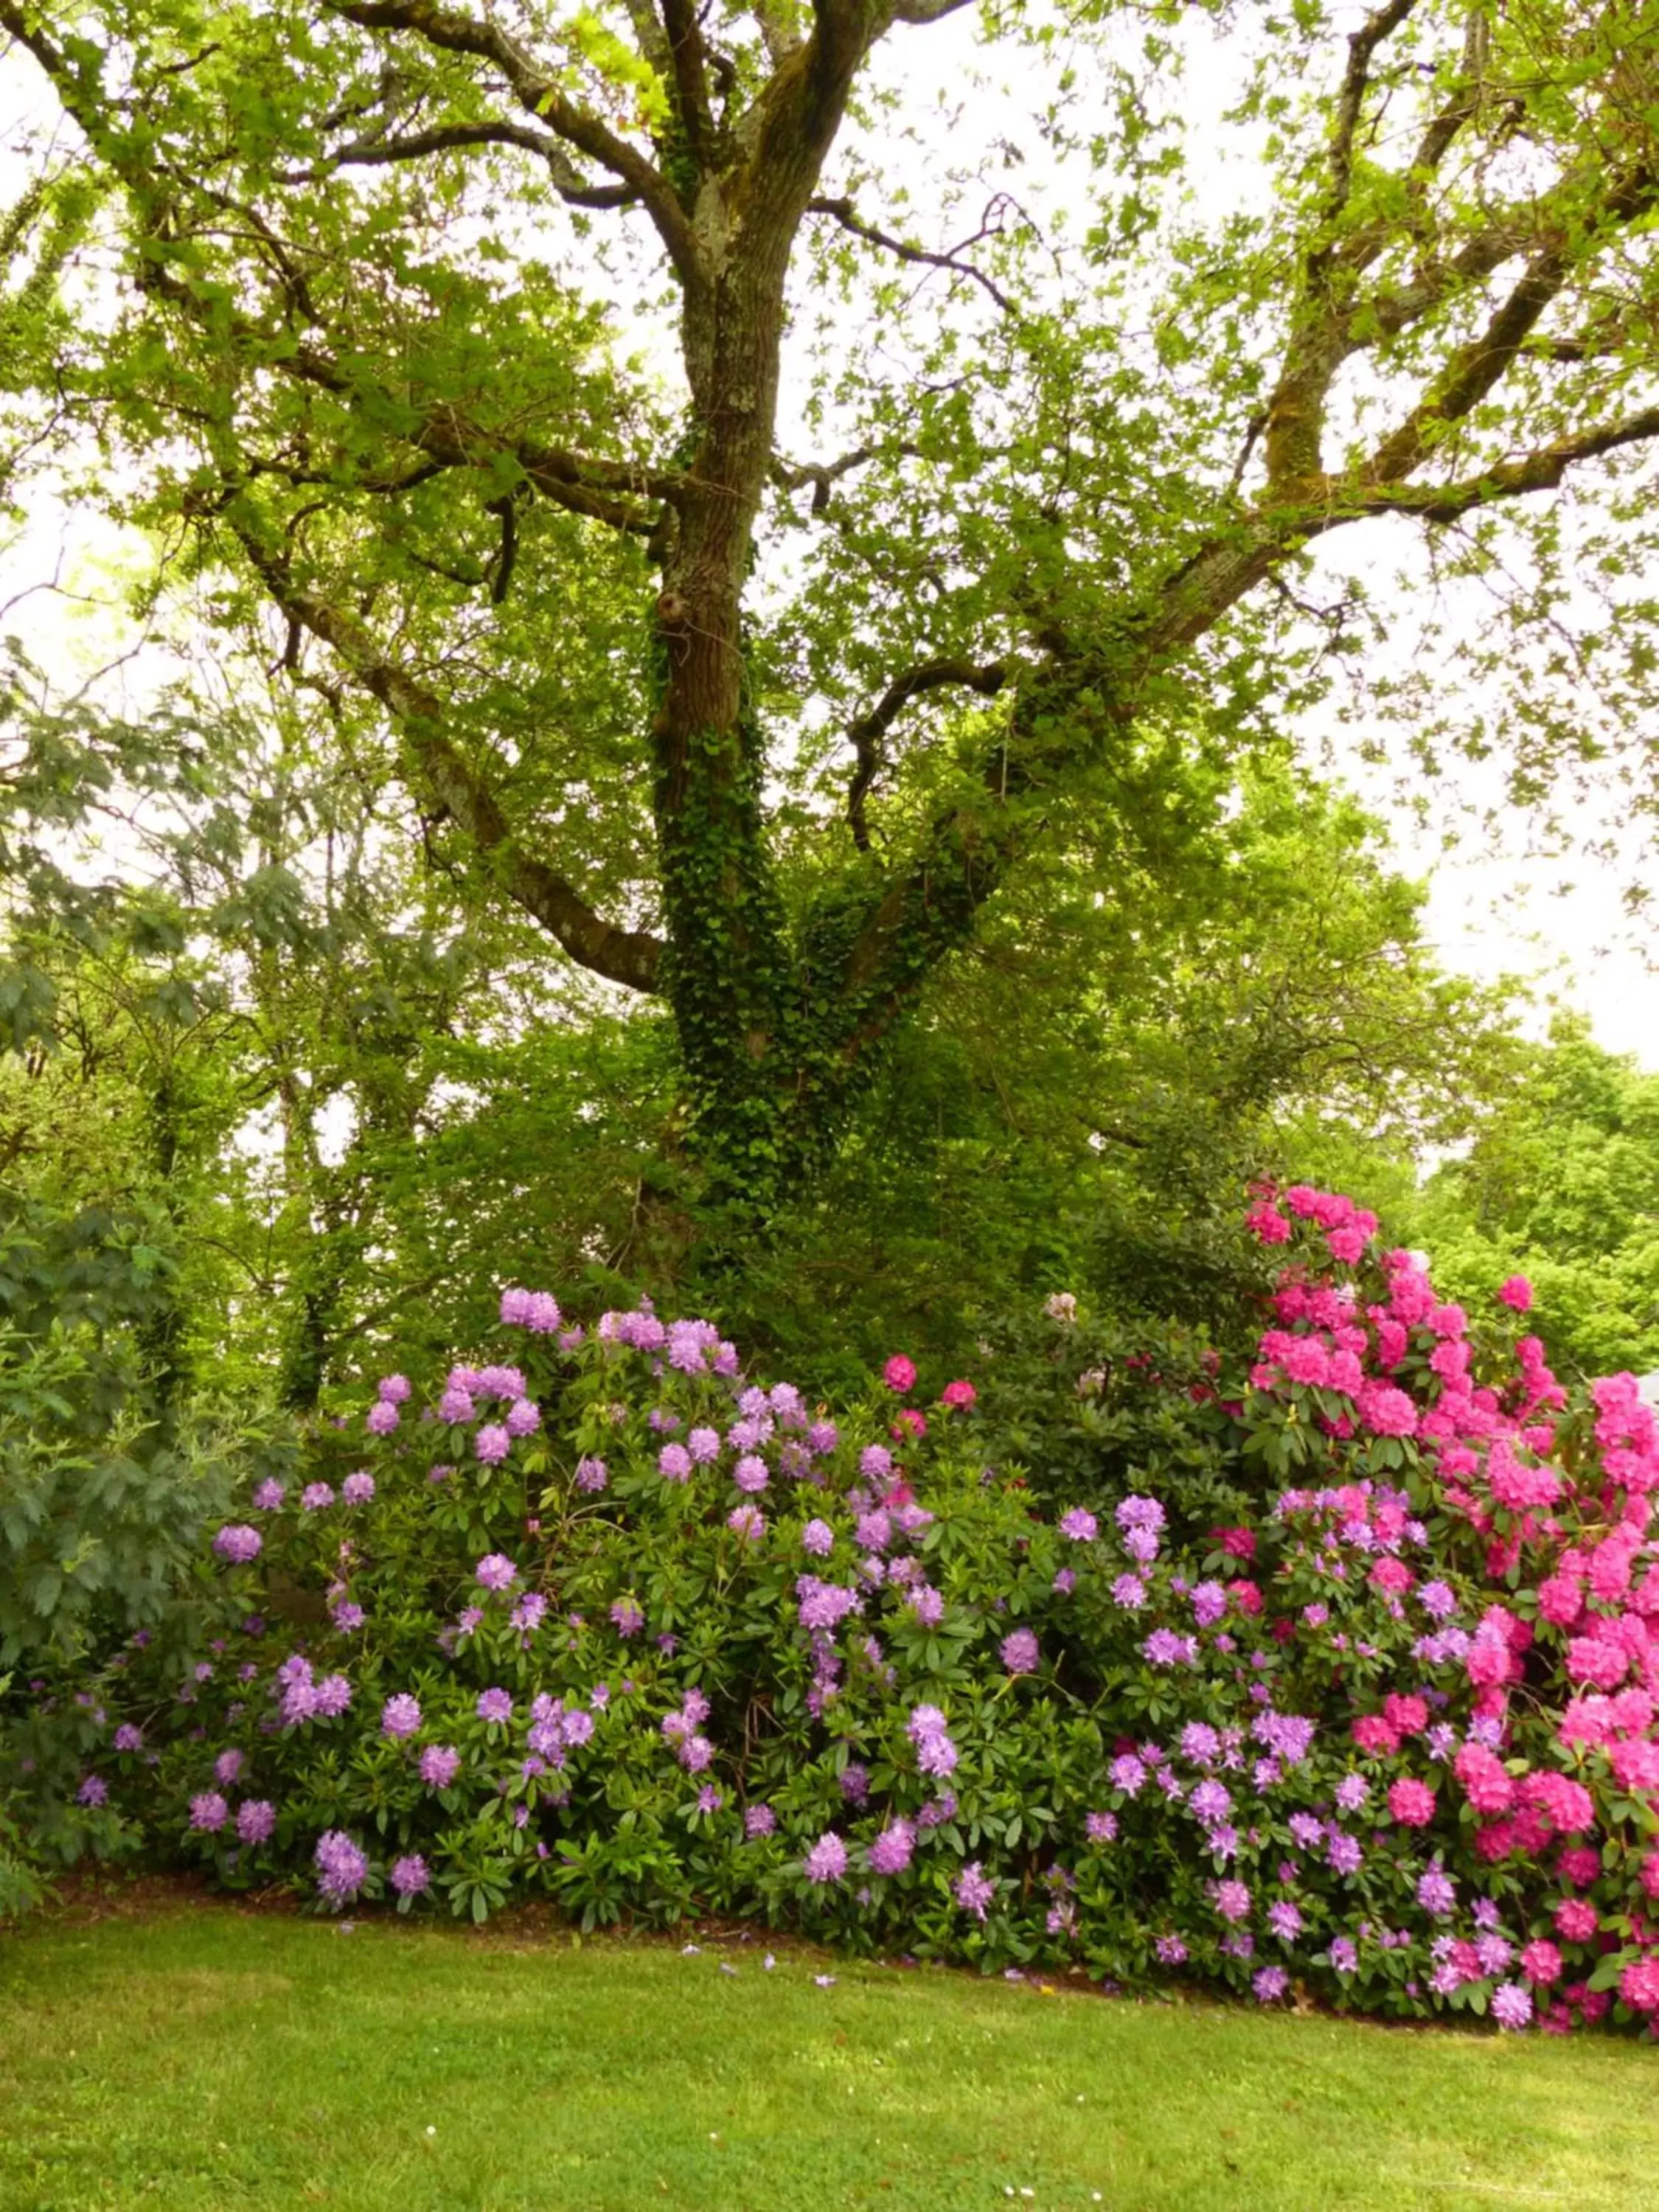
(194, 2056)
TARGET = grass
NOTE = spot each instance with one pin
(202, 2058)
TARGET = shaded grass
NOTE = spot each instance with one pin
(210, 2059)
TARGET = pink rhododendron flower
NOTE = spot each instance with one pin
(1411, 1803)
(1634, 1764)
(1575, 1920)
(957, 1394)
(1580, 1865)
(1541, 1962)
(1558, 1601)
(899, 1373)
(1372, 1733)
(1266, 1222)
(1385, 1411)
(1406, 1716)
(1486, 1781)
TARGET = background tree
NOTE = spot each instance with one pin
(765, 736)
(344, 1081)
(1561, 1184)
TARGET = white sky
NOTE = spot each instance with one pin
(1560, 923)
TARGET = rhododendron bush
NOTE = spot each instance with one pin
(1365, 1707)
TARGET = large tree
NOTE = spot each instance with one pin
(762, 734)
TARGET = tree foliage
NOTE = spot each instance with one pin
(1561, 1184)
(768, 738)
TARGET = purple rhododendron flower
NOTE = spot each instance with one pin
(256, 1820)
(495, 1571)
(1343, 1853)
(268, 1495)
(492, 1443)
(1019, 1652)
(1079, 1524)
(95, 1790)
(1129, 1592)
(400, 1715)
(439, 1764)
(591, 1475)
(1270, 1984)
(1209, 1604)
(342, 1867)
(331, 1697)
(759, 1821)
(227, 1768)
(394, 1390)
(1199, 1743)
(238, 1543)
(827, 1860)
(494, 1706)
(889, 1852)
(1210, 1801)
(382, 1419)
(358, 1488)
(818, 1538)
(1435, 1892)
(209, 1812)
(127, 1737)
(1100, 1827)
(315, 1496)
(747, 1521)
(927, 1603)
(409, 1876)
(973, 1890)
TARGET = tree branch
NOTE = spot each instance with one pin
(779, 40)
(625, 957)
(452, 31)
(453, 137)
(865, 734)
(1474, 369)
(821, 475)
(842, 211)
(1362, 44)
(1540, 470)
(927, 12)
(686, 50)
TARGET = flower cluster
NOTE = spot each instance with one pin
(1368, 1704)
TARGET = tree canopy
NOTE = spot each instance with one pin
(473, 362)
(1561, 1183)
